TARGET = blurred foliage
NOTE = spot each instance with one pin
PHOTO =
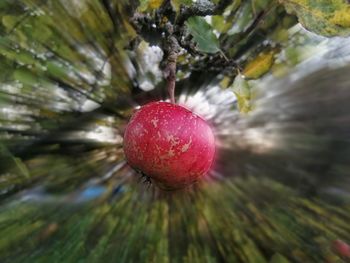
(246, 220)
(259, 65)
(203, 34)
(242, 90)
(148, 5)
(326, 17)
(71, 74)
(178, 3)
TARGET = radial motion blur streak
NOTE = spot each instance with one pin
(73, 72)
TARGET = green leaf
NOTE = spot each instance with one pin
(22, 167)
(324, 17)
(203, 34)
(242, 91)
(9, 21)
(177, 3)
(244, 19)
(19, 164)
(278, 258)
(25, 77)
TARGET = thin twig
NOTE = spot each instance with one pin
(172, 48)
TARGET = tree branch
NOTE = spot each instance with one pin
(201, 8)
(172, 49)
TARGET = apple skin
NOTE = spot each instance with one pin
(170, 144)
(341, 248)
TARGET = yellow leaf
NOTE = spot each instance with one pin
(342, 17)
(225, 82)
(154, 4)
(259, 66)
(328, 18)
(241, 89)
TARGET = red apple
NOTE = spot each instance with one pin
(170, 144)
(341, 248)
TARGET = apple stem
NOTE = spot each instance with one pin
(170, 69)
(171, 90)
(171, 75)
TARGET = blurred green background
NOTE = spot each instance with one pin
(275, 90)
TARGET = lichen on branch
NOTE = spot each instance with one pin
(201, 8)
(172, 50)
